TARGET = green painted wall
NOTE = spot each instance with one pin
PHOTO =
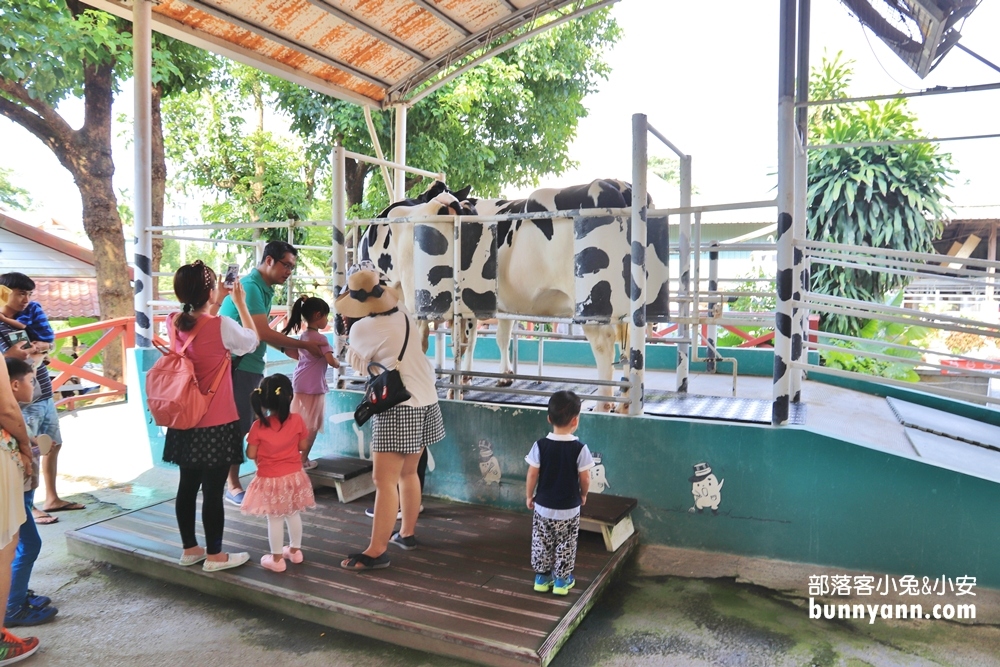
(786, 493)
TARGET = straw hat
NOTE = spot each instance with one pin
(364, 295)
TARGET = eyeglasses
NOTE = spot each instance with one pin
(288, 265)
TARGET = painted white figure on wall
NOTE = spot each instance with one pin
(489, 466)
(598, 475)
(706, 489)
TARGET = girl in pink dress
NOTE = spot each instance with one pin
(281, 488)
(309, 378)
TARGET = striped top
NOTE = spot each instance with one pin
(41, 375)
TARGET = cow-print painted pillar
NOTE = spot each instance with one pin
(713, 303)
(637, 288)
(785, 202)
(800, 271)
(338, 258)
(684, 277)
(142, 57)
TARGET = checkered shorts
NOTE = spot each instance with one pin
(405, 429)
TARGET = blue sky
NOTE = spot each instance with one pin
(705, 74)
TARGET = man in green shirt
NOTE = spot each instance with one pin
(275, 267)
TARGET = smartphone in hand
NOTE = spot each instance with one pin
(19, 339)
(232, 273)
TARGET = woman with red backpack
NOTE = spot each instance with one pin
(206, 451)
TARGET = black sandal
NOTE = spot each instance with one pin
(367, 562)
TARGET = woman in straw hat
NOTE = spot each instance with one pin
(400, 434)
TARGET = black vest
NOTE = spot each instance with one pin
(558, 477)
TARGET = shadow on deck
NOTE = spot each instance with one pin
(465, 593)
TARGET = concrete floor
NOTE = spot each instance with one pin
(671, 607)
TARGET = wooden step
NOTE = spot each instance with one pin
(609, 515)
(350, 476)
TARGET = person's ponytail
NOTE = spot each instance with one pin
(295, 317)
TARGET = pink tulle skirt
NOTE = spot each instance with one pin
(278, 496)
(311, 407)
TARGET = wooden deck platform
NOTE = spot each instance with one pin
(466, 592)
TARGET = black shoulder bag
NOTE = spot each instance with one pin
(384, 388)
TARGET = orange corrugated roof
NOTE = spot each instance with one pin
(372, 52)
(63, 298)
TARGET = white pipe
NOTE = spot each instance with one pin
(786, 203)
(378, 150)
(142, 57)
(399, 154)
(338, 193)
(684, 273)
(637, 291)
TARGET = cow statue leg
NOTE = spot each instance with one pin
(602, 343)
(504, 329)
(470, 327)
(466, 332)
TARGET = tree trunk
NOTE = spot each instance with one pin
(355, 178)
(159, 183)
(89, 159)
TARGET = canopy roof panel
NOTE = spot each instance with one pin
(372, 52)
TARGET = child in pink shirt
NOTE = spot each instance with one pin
(309, 378)
(281, 489)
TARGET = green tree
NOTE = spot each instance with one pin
(11, 195)
(507, 121)
(49, 52)
(880, 197)
(255, 175)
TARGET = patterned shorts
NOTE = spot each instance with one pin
(405, 429)
(553, 545)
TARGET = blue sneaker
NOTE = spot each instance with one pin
(28, 615)
(234, 498)
(562, 586)
(37, 600)
(543, 583)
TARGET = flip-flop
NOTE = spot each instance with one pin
(68, 507)
(366, 562)
(45, 519)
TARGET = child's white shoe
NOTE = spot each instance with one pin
(268, 562)
(294, 556)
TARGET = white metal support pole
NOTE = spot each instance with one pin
(290, 294)
(713, 287)
(800, 269)
(142, 57)
(684, 276)
(786, 203)
(637, 292)
(456, 307)
(399, 153)
(991, 255)
(338, 259)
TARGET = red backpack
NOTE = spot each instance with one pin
(172, 392)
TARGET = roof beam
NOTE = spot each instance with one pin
(284, 41)
(194, 37)
(369, 29)
(482, 39)
(430, 7)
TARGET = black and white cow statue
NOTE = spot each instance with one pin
(392, 248)
(544, 267)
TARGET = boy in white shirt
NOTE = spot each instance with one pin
(557, 485)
